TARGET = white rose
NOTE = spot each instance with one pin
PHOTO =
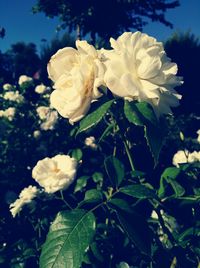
(40, 89)
(138, 69)
(55, 173)
(23, 79)
(42, 112)
(26, 196)
(194, 157)
(50, 121)
(10, 113)
(7, 86)
(76, 74)
(2, 113)
(13, 96)
(182, 157)
(36, 134)
(91, 142)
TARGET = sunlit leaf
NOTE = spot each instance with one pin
(115, 170)
(95, 117)
(69, 237)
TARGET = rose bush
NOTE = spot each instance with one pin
(109, 200)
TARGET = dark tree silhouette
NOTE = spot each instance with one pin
(184, 49)
(2, 32)
(24, 59)
(105, 17)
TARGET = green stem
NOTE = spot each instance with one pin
(162, 223)
(125, 144)
(129, 155)
(63, 199)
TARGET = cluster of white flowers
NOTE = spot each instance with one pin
(137, 68)
(24, 79)
(91, 142)
(7, 86)
(13, 96)
(9, 113)
(184, 156)
(26, 196)
(56, 173)
(40, 89)
(48, 116)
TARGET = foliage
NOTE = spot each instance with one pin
(127, 206)
(86, 17)
(111, 189)
(175, 48)
(20, 59)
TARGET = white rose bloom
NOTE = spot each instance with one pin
(138, 69)
(2, 113)
(10, 113)
(194, 157)
(36, 134)
(42, 112)
(40, 89)
(25, 197)
(77, 74)
(13, 96)
(182, 157)
(198, 138)
(23, 79)
(55, 173)
(7, 86)
(50, 121)
(91, 142)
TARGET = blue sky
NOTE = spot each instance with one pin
(22, 25)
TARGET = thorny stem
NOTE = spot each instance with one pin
(63, 199)
(162, 223)
(125, 145)
(129, 155)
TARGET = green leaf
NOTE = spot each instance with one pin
(81, 183)
(95, 117)
(106, 132)
(154, 138)
(77, 154)
(138, 191)
(137, 174)
(136, 228)
(92, 196)
(147, 112)
(192, 231)
(142, 114)
(97, 177)
(132, 114)
(115, 170)
(119, 203)
(168, 177)
(95, 250)
(69, 237)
